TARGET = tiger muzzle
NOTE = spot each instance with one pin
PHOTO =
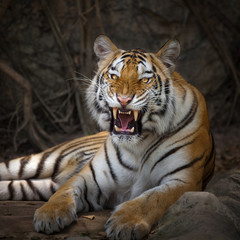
(125, 121)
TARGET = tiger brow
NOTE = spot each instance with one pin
(142, 63)
(143, 59)
(114, 67)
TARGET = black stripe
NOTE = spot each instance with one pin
(166, 91)
(81, 150)
(178, 180)
(190, 115)
(159, 91)
(90, 207)
(101, 79)
(143, 59)
(24, 196)
(95, 180)
(182, 167)
(98, 108)
(7, 164)
(119, 157)
(29, 182)
(140, 99)
(154, 68)
(41, 196)
(79, 166)
(82, 142)
(211, 154)
(57, 166)
(187, 119)
(207, 177)
(100, 96)
(11, 190)
(172, 151)
(142, 63)
(109, 163)
(61, 156)
(148, 72)
(41, 164)
(119, 63)
(35, 191)
(142, 54)
(160, 84)
(138, 51)
(23, 163)
(126, 55)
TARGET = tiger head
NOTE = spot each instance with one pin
(131, 92)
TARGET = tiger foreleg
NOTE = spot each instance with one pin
(61, 209)
(133, 219)
(58, 212)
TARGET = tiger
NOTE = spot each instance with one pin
(155, 145)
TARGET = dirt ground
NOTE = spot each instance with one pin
(16, 223)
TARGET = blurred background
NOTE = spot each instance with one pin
(47, 61)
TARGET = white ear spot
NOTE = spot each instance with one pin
(103, 46)
(169, 54)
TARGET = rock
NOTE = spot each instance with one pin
(226, 187)
(205, 215)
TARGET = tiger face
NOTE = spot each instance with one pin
(131, 92)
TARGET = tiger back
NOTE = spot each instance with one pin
(157, 145)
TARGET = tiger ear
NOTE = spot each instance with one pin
(103, 46)
(169, 53)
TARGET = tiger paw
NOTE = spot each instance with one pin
(127, 223)
(52, 217)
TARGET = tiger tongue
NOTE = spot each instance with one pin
(125, 119)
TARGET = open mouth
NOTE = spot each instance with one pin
(125, 122)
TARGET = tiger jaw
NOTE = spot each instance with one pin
(125, 122)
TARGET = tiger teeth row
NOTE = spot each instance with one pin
(128, 113)
(135, 113)
(119, 129)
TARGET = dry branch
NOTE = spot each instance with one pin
(68, 60)
(99, 17)
(50, 113)
(29, 119)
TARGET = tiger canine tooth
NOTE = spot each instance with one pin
(115, 112)
(135, 113)
(132, 130)
(117, 128)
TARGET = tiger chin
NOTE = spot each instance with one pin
(156, 146)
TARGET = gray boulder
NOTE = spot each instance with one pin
(213, 214)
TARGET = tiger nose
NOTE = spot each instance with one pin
(124, 101)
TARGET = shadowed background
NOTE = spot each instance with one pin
(47, 61)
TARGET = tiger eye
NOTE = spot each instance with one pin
(146, 80)
(113, 76)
